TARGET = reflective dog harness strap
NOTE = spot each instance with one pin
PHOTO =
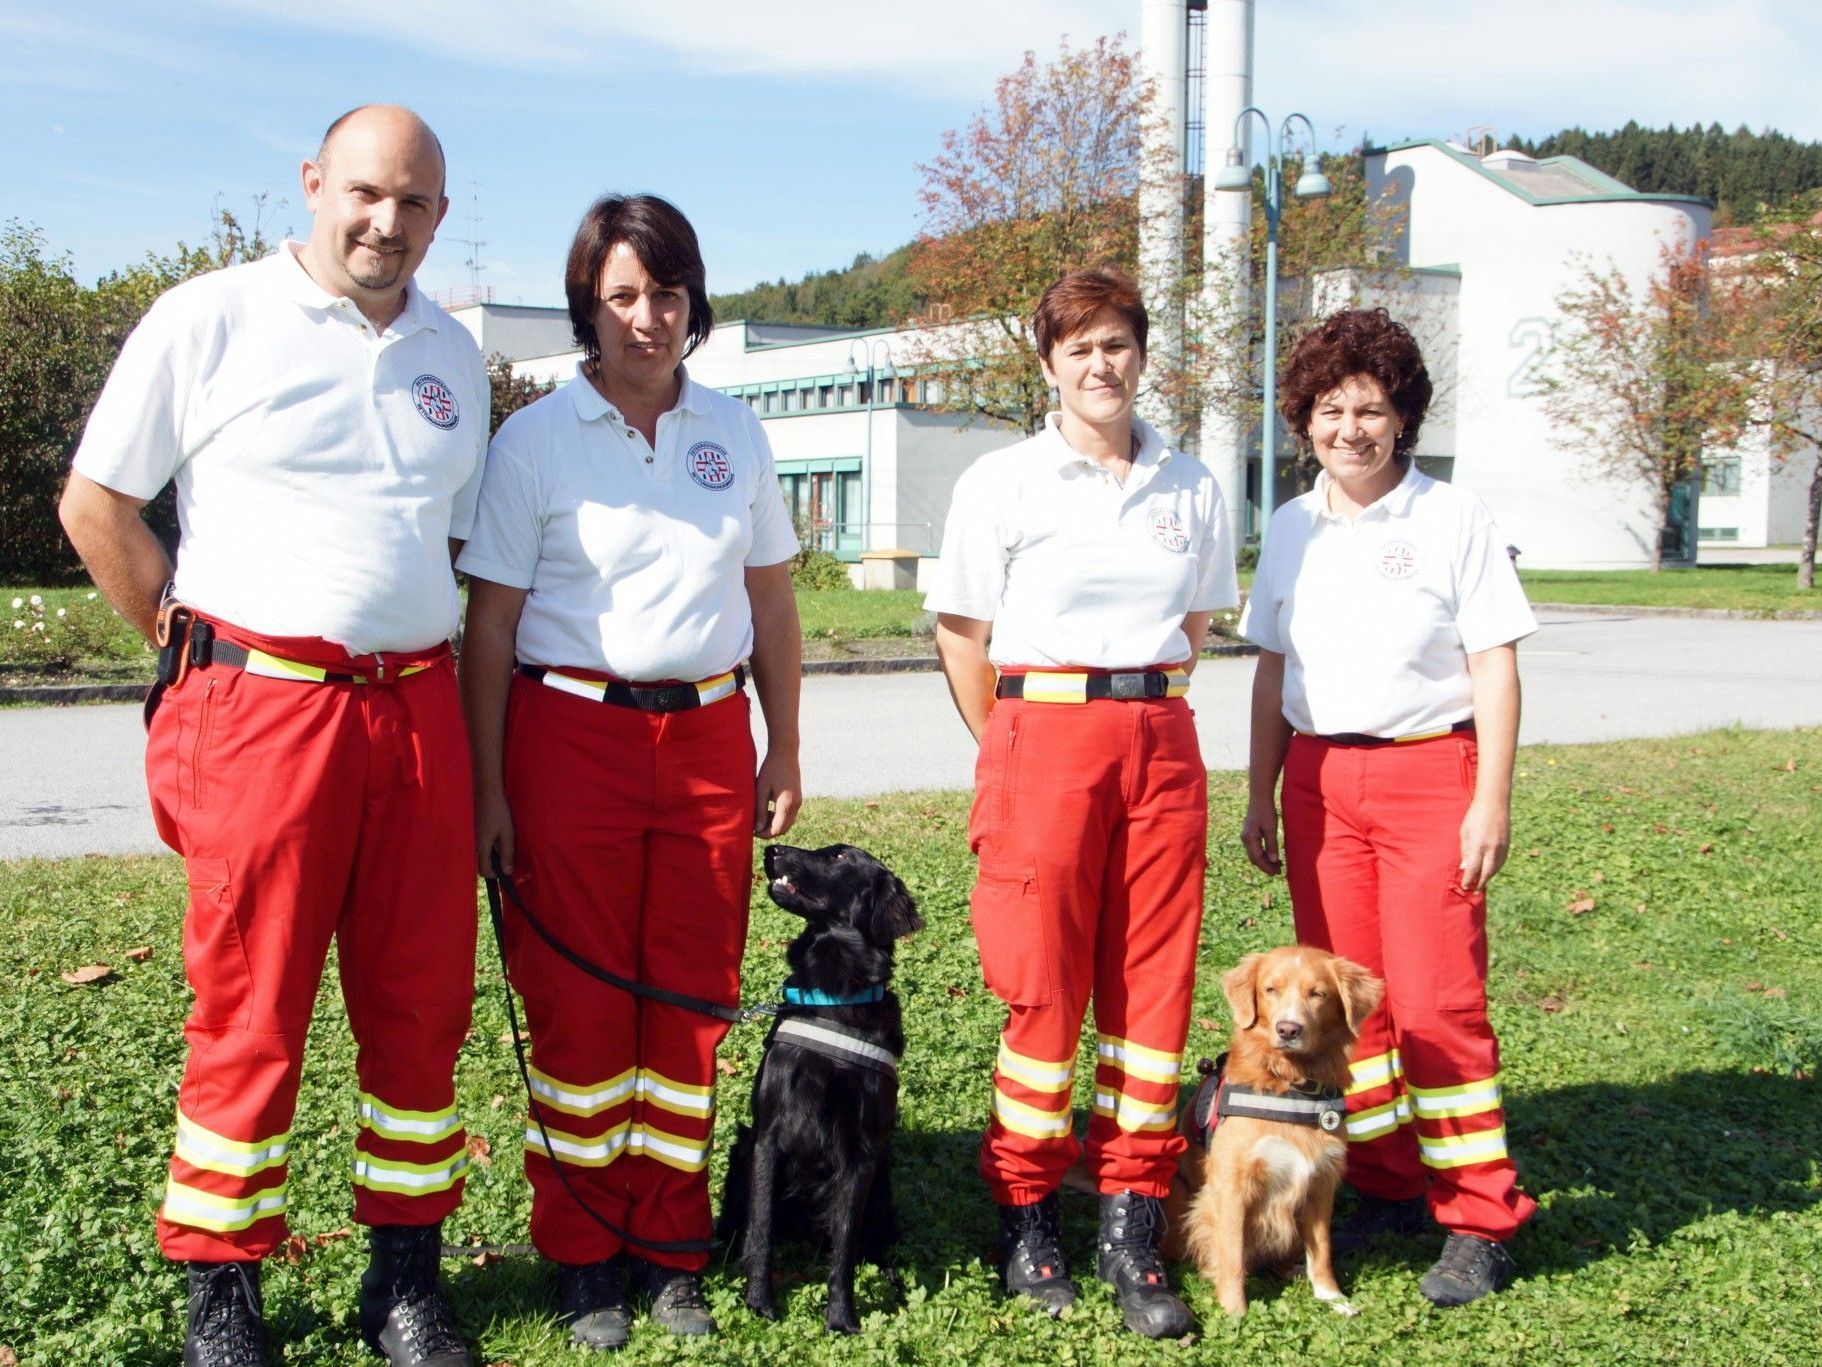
(1322, 1108)
(835, 1042)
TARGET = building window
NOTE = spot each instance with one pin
(1721, 476)
(846, 396)
(771, 401)
(933, 392)
(825, 396)
(1717, 534)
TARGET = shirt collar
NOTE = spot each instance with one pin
(298, 286)
(590, 404)
(1152, 450)
(1396, 503)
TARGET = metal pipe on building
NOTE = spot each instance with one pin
(1226, 220)
(1163, 49)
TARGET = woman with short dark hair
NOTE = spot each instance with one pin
(630, 559)
(1387, 616)
(1078, 575)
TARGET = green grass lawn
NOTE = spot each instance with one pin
(1656, 980)
(1742, 588)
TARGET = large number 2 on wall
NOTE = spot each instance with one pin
(1531, 336)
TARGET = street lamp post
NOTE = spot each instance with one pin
(878, 347)
(1312, 184)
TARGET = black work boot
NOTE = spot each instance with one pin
(1375, 1218)
(592, 1302)
(405, 1317)
(1031, 1255)
(677, 1303)
(1470, 1267)
(225, 1327)
(1131, 1226)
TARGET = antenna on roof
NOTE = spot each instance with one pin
(474, 241)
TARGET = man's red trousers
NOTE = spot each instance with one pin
(1090, 821)
(1372, 840)
(308, 810)
(634, 846)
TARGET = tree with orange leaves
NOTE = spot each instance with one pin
(1644, 379)
(1039, 183)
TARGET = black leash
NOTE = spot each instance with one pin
(518, 1049)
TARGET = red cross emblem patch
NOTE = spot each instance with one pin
(1167, 530)
(1398, 560)
(436, 401)
(709, 465)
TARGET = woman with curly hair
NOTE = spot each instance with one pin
(1387, 616)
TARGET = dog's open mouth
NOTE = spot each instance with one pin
(782, 886)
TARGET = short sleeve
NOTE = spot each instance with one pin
(1490, 605)
(1217, 585)
(507, 536)
(971, 571)
(774, 539)
(1259, 622)
(134, 440)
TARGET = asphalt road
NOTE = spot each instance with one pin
(71, 781)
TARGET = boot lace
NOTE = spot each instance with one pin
(1037, 1242)
(1133, 1240)
(224, 1319)
(426, 1322)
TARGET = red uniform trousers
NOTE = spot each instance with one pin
(634, 846)
(1372, 842)
(1090, 821)
(305, 810)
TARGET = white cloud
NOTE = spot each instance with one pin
(944, 48)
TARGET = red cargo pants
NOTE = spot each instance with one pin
(634, 846)
(1090, 821)
(1373, 856)
(306, 810)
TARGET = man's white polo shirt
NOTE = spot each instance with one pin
(321, 465)
(1376, 617)
(1074, 568)
(634, 556)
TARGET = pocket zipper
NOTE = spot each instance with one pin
(205, 715)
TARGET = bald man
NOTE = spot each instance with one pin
(324, 423)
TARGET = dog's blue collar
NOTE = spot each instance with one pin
(799, 996)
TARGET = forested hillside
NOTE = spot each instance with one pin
(868, 293)
(1745, 173)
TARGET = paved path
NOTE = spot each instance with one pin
(71, 782)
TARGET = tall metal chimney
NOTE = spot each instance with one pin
(1226, 219)
(1163, 47)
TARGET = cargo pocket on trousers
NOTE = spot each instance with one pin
(1009, 930)
(214, 954)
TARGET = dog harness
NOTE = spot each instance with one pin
(834, 1041)
(810, 996)
(1323, 1108)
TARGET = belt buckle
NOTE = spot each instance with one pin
(670, 697)
(1126, 687)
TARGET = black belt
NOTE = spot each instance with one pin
(1122, 685)
(678, 697)
(1363, 741)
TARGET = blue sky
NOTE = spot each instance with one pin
(789, 130)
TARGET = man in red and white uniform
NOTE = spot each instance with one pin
(1092, 557)
(324, 424)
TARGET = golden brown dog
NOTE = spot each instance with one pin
(1268, 1185)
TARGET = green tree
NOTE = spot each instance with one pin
(509, 393)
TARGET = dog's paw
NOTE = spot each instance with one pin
(1234, 1305)
(760, 1302)
(1336, 1302)
(842, 1322)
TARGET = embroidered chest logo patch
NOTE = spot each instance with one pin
(1399, 560)
(1167, 530)
(709, 465)
(436, 401)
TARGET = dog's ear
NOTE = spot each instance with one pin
(894, 913)
(1238, 984)
(1360, 992)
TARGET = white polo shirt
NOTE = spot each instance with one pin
(1074, 568)
(321, 465)
(1376, 617)
(634, 556)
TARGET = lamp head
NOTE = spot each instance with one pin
(1312, 184)
(1235, 175)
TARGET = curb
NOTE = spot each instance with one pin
(57, 695)
(1709, 614)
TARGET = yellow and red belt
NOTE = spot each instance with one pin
(1093, 685)
(665, 697)
(1360, 740)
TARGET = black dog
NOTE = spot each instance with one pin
(816, 1164)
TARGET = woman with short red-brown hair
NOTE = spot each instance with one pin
(1079, 571)
(1387, 616)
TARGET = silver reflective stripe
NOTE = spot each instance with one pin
(836, 1039)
